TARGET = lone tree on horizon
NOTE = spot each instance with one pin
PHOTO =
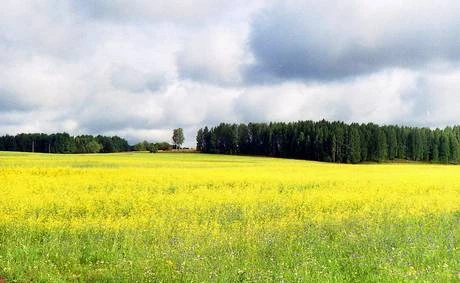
(178, 137)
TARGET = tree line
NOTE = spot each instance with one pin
(152, 147)
(177, 138)
(333, 141)
(63, 143)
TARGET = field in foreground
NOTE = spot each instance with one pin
(193, 217)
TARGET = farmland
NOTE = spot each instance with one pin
(196, 217)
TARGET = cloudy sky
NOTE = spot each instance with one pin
(139, 68)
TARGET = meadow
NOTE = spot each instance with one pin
(139, 217)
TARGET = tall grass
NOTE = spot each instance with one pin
(194, 217)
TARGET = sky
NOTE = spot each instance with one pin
(140, 68)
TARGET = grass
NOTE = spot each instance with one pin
(196, 217)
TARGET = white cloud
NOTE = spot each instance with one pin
(214, 54)
(138, 69)
(389, 97)
(177, 12)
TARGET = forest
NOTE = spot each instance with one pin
(63, 143)
(333, 141)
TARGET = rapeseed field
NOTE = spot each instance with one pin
(196, 218)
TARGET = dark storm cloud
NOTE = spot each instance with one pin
(330, 40)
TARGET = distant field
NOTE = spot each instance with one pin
(196, 217)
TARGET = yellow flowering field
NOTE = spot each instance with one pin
(140, 217)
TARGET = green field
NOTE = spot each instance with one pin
(139, 217)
